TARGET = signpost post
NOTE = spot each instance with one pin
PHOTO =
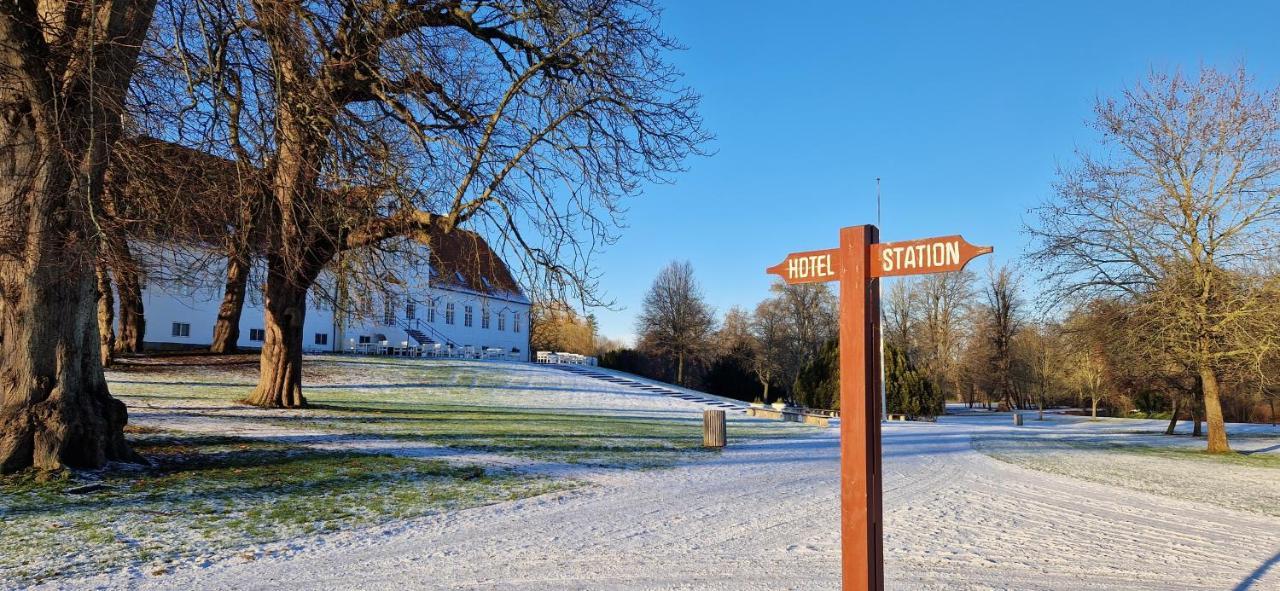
(858, 264)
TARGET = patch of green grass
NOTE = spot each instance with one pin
(1262, 460)
(1234, 481)
(457, 404)
(209, 495)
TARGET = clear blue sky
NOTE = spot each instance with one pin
(948, 102)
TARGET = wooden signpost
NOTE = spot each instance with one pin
(857, 264)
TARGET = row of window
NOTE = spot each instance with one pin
(257, 335)
(468, 316)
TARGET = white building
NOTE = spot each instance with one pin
(470, 304)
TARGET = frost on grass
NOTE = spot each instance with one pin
(207, 496)
(1243, 483)
(511, 409)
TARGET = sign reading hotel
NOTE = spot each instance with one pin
(858, 264)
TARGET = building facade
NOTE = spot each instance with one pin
(469, 303)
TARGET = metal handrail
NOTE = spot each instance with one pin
(420, 326)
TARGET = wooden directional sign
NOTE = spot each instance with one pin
(814, 266)
(858, 264)
(926, 255)
(909, 257)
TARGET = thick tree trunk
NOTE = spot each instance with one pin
(106, 314)
(133, 321)
(1217, 442)
(680, 369)
(1195, 421)
(59, 112)
(280, 367)
(55, 410)
(1173, 420)
(1094, 406)
(226, 332)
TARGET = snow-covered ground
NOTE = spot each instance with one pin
(764, 515)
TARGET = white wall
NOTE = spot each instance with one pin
(164, 306)
(458, 332)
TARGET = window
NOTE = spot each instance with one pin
(448, 313)
(431, 311)
(181, 329)
(515, 321)
(365, 339)
(484, 317)
(502, 321)
(322, 338)
(466, 316)
(257, 334)
(410, 311)
(388, 314)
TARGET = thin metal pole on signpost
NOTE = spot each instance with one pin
(884, 402)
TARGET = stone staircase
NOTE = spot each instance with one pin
(419, 336)
(710, 401)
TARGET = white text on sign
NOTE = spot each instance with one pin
(816, 266)
(920, 256)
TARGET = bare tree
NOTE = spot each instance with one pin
(1186, 195)
(555, 326)
(523, 121)
(1000, 322)
(899, 313)
(675, 322)
(770, 327)
(943, 299)
(811, 316)
(65, 68)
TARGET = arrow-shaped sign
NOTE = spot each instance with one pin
(926, 255)
(814, 266)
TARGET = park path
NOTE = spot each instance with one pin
(763, 516)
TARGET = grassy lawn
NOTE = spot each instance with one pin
(512, 410)
(1234, 481)
(209, 495)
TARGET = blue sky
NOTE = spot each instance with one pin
(948, 103)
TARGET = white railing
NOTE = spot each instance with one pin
(552, 357)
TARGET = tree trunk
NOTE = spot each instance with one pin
(1195, 421)
(1094, 405)
(280, 367)
(1173, 420)
(1272, 403)
(59, 112)
(133, 321)
(680, 369)
(1213, 411)
(226, 332)
(106, 314)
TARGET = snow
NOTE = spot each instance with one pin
(763, 515)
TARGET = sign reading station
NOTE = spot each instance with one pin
(927, 255)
